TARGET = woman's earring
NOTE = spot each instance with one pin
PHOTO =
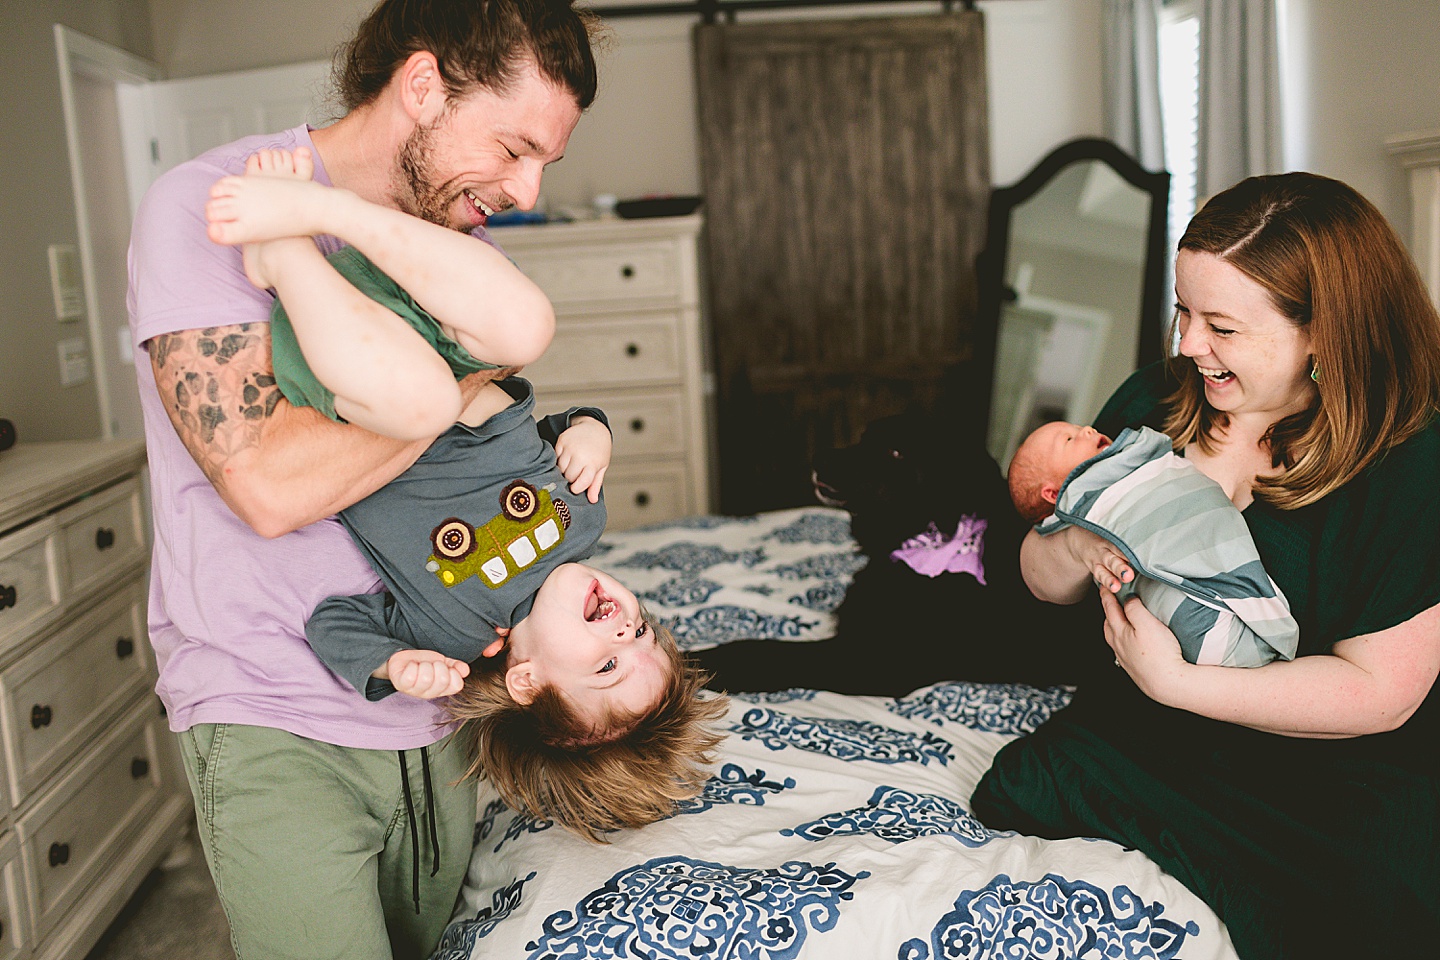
(1315, 370)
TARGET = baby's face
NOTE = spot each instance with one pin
(586, 637)
(1060, 447)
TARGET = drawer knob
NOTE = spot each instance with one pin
(139, 768)
(632, 350)
(637, 424)
(7, 597)
(642, 499)
(59, 854)
(124, 647)
(40, 716)
(104, 538)
(627, 271)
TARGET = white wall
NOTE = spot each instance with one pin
(1361, 72)
(640, 136)
(37, 208)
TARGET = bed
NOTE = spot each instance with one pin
(833, 826)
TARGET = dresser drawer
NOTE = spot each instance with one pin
(637, 350)
(640, 496)
(102, 534)
(643, 424)
(14, 938)
(71, 833)
(54, 697)
(621, 271)
(29, 579)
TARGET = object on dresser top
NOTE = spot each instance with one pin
(656, 205)
(7, 434)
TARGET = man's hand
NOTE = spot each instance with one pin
(424, 673)
(583, 454)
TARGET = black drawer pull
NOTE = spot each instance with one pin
(124, 647)
(642, 499)
(637, 424)
(59, 854)
(632, 350)
(104, 538)
(139, 767)
(8, 597)
(627, 271)
(40, 716)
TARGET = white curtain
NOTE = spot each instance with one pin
(1240, 133)
(1131, 65)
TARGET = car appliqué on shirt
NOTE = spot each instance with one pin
(530, 523)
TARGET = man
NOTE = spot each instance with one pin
(320, 847)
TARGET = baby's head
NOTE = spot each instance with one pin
(1044, 460)
(594, 719)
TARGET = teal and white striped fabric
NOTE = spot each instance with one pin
(1196, 566)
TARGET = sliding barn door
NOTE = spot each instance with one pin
(846, 176)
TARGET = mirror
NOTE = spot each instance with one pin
(1071, 283)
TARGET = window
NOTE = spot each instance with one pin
(1180, 107)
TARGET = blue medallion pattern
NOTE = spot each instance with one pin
(1051, 919)
(815, 528)
(521, 824)
(776, 696)
(682, 592)
(830, 565)
(725, 622)
(458, 940)
(897, 815)
(824, 598)
(685, 556)
(843, 739)
(1008, 708)
(676, 908)
(485, 823)
(733, 785)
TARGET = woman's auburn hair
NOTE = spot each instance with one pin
(549, 763)
(1330, 262)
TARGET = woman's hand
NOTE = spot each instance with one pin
(1144, 646)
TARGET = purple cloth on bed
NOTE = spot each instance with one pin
(932, 553)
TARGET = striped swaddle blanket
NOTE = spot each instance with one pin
(1196, 566)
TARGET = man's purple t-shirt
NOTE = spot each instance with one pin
(227, 606)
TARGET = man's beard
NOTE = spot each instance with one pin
(414, 191)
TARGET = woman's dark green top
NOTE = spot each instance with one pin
(1363, 559)
(1304, 847)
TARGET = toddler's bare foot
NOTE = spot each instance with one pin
(274, 198)
(262, 259)
(297, 164)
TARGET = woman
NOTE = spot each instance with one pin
(1299, 799)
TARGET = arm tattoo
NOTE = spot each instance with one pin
(218, 387)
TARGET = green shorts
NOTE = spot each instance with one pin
(310, 844)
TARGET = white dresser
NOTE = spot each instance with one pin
(629, 340)
(90, 799)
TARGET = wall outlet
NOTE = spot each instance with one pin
(66, 281)
(74, 361)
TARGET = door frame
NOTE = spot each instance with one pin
(80, 55)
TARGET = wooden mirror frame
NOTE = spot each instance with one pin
(990, 263)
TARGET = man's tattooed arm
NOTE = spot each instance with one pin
(218, 387)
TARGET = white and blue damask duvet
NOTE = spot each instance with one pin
(832, 826)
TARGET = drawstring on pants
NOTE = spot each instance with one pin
(414, 828)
